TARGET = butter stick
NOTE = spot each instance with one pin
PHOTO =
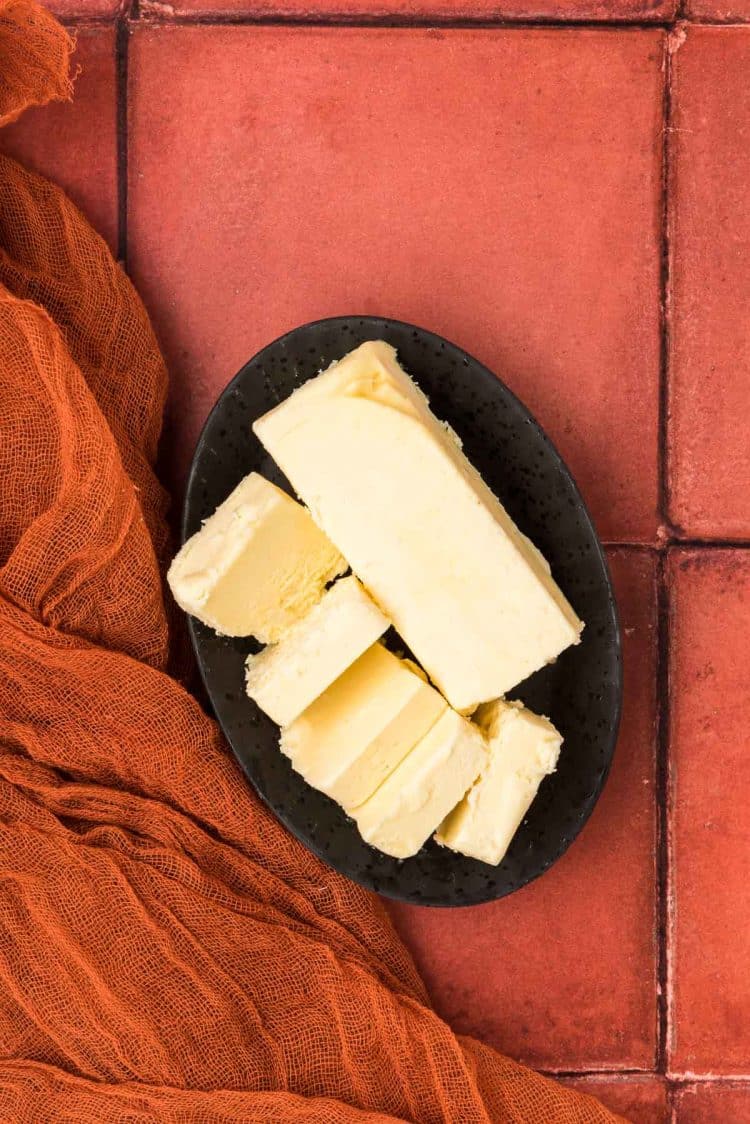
(404, 812)
(285, 678)
(390, 486)
(358, 731)
(523, 750)
(256, 566)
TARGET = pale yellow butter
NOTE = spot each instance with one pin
(356, 733)
(523, 749)
(256, 566)
(403, 813)
(285, 678)
(389, 484)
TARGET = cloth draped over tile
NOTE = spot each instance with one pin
(167, 950)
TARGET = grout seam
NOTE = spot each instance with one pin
(671, 542)
(672, 1081)
(662, 794)
(625, 1075)
(662, 595)
(617, 544)
(390, 20)
(706, 544)
(121, 62)
(664, 501)
(149, 16)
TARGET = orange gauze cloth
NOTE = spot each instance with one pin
(167, 951)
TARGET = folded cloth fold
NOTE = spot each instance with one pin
(167, 950)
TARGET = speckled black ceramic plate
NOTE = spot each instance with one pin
(581, 692)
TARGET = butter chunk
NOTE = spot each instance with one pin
(256, 566)
(356, 733)
(389, 484)
(523, 749)
(404, 812)
(285, 678)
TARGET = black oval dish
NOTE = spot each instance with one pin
(581, 693)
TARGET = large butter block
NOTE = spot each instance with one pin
(285, 678)
(404, 812)
(523, 749)
(389, 484)
(256, 566)
(356, 733)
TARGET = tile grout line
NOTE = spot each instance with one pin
(665, 297)
(662, 593)
(153, 18)
(323, 20)
(628, 1075)
(662, 793)
(122, 34)
(342, 20)
(625, 1075)
(672, 543)
(704, 544)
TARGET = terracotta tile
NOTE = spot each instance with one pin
(710, 832)
(710, 352)
(75, 143)
(641, 1099)
(595, 10)
(723, 10)
(514, 210)
(562, 973)
(87, 9)
(713, 1103)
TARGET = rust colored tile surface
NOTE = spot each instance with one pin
(514, 210)
(709, 995)
(722, 10)
(713, 1103)
(562, 973)
(640, 1099)
(710, 347)
(595, 10)
(74, 143)
(87, 9)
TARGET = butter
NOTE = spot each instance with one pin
(390, 486)
(403, 813)
(285, 678)
(256, 566)
(523, 749)
(355, 734)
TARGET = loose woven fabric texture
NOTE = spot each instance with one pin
(168, 952)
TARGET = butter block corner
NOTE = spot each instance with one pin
(285, 678)
(523, 749)
(405, 810)
(257, 564)
(350, 739)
